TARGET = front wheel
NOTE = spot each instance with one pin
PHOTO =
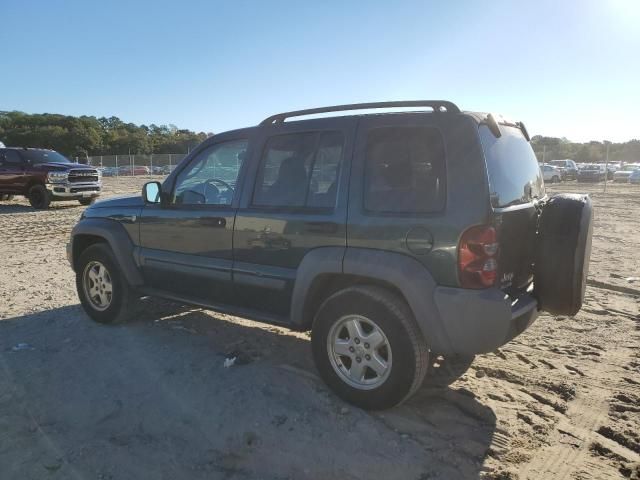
(368, 348)
(87, 201)
(39, 197)
(102, 288)
(555, 179)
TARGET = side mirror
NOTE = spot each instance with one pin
(151, 192)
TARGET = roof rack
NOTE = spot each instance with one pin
(442, 106)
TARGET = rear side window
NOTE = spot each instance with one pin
(512, 167)
(300, 170)
(404, 170)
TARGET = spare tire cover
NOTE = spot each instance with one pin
(563, 248)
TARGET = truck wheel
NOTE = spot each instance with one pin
(87, 201)
(368, 348)
(39, 198)
(555, 179)
(449, 369)
(103, 289)
(563, 248)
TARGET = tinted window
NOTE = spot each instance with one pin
(44, 156)
(300, 170)
(514, 174)
(404, 170)
(210, 178)
(11, 157)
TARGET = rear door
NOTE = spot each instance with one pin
(295, 200)
(12, 171)
(516, 186)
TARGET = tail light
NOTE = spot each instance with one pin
(477, 257)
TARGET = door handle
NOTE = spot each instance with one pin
(219, 222)
(321, 227)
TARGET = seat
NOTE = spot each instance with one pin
(290, 187)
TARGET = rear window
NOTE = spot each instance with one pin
(514, 174)
(405, 170)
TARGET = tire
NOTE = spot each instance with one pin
(121, 304)
(39, 197)
(87, 201)
(448, 369)
(563, 248)
(555, 179)
(403, 351)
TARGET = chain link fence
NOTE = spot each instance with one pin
(136, 165)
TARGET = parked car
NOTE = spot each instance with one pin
(635, 176)
(569, 168)
(109, 171)
(609, 168)
(394, 238)
(134, 170)
(551, 174)
(591, 173)
(167, 169)
(623, 175)
(44, 176)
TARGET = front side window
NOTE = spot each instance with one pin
(211, 178)
(404, 170)
(300, 170)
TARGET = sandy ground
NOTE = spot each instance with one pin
(152, 399)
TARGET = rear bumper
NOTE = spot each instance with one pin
(479, 321)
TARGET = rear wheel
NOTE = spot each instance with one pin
(39, 197)
(103, 289)
(368, 348)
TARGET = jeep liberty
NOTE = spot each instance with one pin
(396, 238)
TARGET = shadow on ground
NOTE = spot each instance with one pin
(11, 208)
(152, 399)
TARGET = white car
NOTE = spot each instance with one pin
(623, 175)
(551, 174)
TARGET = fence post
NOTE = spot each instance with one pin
(151, 164)
(100, 161)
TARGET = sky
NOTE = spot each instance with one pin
(566, 68)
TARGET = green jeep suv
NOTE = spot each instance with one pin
(397, 238)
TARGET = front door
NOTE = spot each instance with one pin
(186, 242)
(294, 201)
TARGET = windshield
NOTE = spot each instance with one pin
(514, 174)
(44, 156)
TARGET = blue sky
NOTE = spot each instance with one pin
(567, 68)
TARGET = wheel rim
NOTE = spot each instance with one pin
(98, 288)
(359, 352)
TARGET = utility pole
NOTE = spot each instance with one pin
(606, 166)
(544, 154)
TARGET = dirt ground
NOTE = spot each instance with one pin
(152, 399)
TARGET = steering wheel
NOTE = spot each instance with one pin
(210, 183)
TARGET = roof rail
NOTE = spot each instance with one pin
(443, 106)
